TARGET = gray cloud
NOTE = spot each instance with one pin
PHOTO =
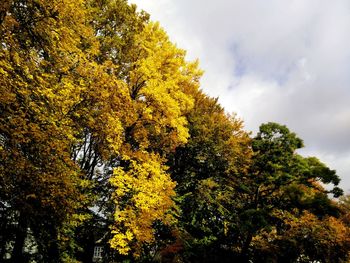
(273, 60)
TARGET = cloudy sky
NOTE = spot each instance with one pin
(273, 60)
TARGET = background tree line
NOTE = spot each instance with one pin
(105, 137)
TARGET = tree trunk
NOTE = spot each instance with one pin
(245, 248)
(20, 236)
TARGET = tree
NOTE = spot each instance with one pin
(39, 185)
(103, 127)
(83, 96)
(155, 126)
(205, 170)
(131, 117)
(281, 180)
(305, 238)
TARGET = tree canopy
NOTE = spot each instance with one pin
(107, 141)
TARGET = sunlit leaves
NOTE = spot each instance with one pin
(304, 238)
(206, 171)
(143, 195)
(157, 82)
(102, 123)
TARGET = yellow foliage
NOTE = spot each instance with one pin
(157, 83)
(306, 235)
(143, 195)
(72, 81)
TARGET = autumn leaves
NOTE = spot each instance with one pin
(103, 127)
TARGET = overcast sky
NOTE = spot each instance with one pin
(273, 60)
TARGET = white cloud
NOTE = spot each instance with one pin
(273, 60)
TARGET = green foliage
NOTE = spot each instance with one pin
(281, 181)
(105, 138)
(205, 170)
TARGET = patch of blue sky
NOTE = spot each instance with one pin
(277, 72)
